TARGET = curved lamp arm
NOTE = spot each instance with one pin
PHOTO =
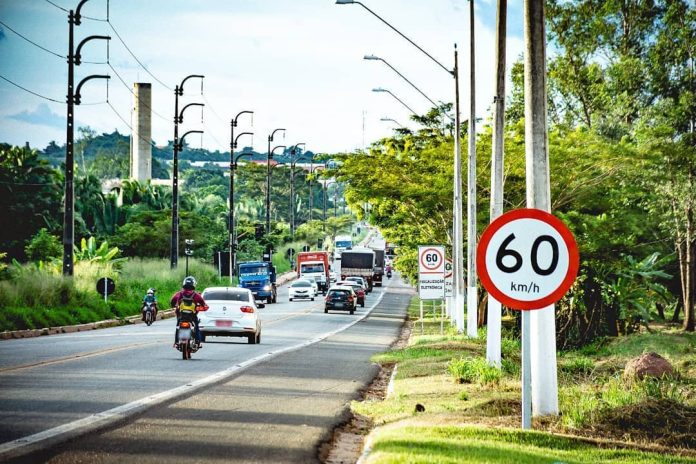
(180, 90)
(181, 139)
(78, 56)
(181, 114)
(82, 82)
(234, 120)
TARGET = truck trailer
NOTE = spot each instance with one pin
(358, 262)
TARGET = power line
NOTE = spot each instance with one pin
(34, 43)
(44, 48)
(31, 92)
(149, 142)
(135, 57)
(82, 16)
(133, 93)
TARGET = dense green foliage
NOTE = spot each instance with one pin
(622, 152)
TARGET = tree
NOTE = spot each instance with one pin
(43, 246)
(31, 193)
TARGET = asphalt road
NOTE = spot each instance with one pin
(277, 410)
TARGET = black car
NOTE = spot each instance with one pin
(341, 298)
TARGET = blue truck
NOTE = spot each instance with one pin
(260, 278)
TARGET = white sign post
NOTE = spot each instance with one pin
(527, 259)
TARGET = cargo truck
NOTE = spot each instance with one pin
(260, 278)
(378, 272)
(314, 265)
(358, 262)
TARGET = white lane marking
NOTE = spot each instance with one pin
(61, 433)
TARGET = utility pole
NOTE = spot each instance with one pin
(542, 347)
(457, 233)
(73, 98)
(233, 167)
(497, 159)
(293, 160)
(268, 180)
(472, 289)
(178, 146)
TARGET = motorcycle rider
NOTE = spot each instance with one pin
(187, 303)
(152, 299)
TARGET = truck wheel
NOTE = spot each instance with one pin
(312, 298)
(275, 296)
(352, 311)
(269, 300)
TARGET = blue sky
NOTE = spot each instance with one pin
(297, 64)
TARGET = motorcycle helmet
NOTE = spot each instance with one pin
(189, 283)
(150, 291)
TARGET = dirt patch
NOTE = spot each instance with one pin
(347, 441)
(664, 422)
(499, 407)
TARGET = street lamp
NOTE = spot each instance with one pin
(74, 59)
(457, 233)
(326, 185)
(376, 58)
(268, 180)
(392, 120)
(293, 160)
(233, 167)
(178, 145)
(379, 89)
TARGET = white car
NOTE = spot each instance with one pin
(361, 281)
(232, 312)
(302, 288)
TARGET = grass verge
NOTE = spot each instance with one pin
(448, 405)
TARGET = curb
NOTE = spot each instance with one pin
(165, 314)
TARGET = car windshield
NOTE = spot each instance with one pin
(253, 270)
(338, 293)
(225, 295)
(312, 268)
(302, 283)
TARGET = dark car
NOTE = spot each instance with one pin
(340, 298)
(357, 288)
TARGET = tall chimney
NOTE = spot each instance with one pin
(141, 155)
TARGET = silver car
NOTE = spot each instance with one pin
(232, 312)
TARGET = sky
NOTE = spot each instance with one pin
(297, 64)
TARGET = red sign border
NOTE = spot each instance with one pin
(560, 227)
(438, 251)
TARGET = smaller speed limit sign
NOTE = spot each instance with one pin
(527, 259)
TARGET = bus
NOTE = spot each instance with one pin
(342, 242)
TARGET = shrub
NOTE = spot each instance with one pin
(43, 247)
(467, 370)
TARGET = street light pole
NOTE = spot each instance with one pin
(233, 166)
(293, 160)
(379, 89)
(268, 180)
(472, 289)
(311, 170)
(73, 98)
(457, 249)
(392, 120)
(178, 145)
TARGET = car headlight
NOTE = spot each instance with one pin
(267, 287)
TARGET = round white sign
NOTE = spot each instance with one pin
(527, 259)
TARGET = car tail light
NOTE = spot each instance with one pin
(350, 297)
(247, 309)
(185, 325)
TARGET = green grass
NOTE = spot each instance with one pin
(467, 444)
(43, 298)
(593, 399)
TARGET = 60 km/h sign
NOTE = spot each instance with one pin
(431, 272)
(527, 259)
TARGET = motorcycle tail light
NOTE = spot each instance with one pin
(247, 309)
(185, 325)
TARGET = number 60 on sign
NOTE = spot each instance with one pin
(527, 259)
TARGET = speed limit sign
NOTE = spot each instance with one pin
(527, 259)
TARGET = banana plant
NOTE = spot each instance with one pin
(89, 251)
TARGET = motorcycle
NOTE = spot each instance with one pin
(186, 337)
(149, 313)
(389, 274)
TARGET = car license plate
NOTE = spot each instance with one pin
(223, 323)
(338, 305)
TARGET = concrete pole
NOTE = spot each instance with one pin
(141, 160)
(472, 290)
(457, 251)
(494, 307)
(542, 321)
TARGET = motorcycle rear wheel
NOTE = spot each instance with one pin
(186, 351)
